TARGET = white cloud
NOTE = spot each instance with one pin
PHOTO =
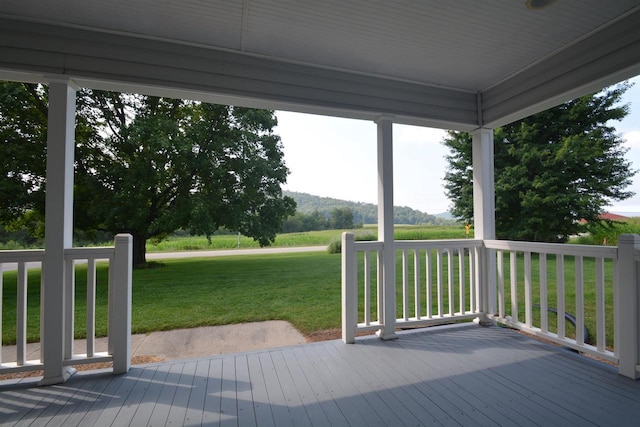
(632, 138)
(417, 134)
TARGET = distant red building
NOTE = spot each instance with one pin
(608, 216)
(613, 217)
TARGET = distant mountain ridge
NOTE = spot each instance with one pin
(365, 213)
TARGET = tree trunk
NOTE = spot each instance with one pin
(139, 250)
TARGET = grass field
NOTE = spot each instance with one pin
(230, 241)
(302, 288)
(310, 238)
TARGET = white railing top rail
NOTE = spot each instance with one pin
(367, 245)
(37, 255)
(610, 252)
(28, 255)
(102, 252)
(437, 244)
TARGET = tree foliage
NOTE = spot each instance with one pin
(148, 166)
(23, 137)
(339, 219)
(552, 169)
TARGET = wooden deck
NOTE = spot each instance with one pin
(462, 375)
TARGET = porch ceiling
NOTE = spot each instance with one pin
(456, 64)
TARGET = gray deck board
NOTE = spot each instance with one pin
(165, 397)
(180, 402)
(228, 393)
(322, 394)
(195, 407)
(114, 402)
(88, 394)
(429, 385)
(422, 409)
(244, 395)
(392, 398)
(470, 391)
(299, 413)
(557, 385)
(382, 410)
(314, 408)
(354, 406)
(212, 403)
(461, 375)
(135, 401)
(151, 393)
(282, 415)
(261, 403)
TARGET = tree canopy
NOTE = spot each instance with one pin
(552, 169)
(148, 166)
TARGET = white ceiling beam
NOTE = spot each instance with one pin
(131, 62)
(606, 57)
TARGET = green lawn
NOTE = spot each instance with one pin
(230, 241)
(302, 288)
(309, 238)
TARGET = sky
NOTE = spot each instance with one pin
(336, 157)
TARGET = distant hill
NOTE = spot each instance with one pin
(444, 215)
(365, 213)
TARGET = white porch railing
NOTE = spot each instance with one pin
(118, 258)
(20, 261)
(528, 268)
(520, 284)
(439, 283)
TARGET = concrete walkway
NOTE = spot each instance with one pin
(196, 342)
(191, 343)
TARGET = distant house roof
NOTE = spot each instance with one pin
(607, 216)
(612, 217)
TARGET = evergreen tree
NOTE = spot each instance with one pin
(552, 169)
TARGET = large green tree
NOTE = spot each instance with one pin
(552, 169)
(23, 136)
(148, 166)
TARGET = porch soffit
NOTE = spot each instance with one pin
(428, 62)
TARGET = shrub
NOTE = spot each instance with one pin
(335, 247)
(606, 233)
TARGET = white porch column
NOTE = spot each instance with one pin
(58, 226)
(484, 205)
(626, 303)
(385, 225)
(120, 304)
(484, 215)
